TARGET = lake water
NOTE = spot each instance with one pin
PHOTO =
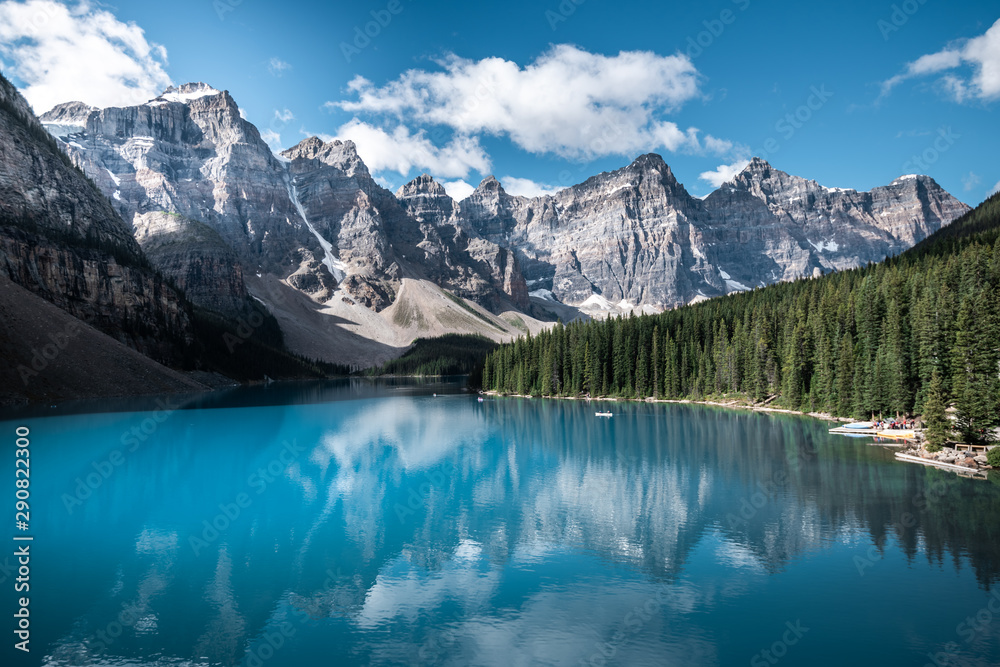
(351, 523)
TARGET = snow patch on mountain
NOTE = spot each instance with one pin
(186, 93)
(736, 286)
(829, 246)
(543, 294)
(62, 130)
(701, 296)
(597, 301)
(330, 260)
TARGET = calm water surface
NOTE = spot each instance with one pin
(347, 523)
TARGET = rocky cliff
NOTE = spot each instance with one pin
(314, 216)
(61, 239)
(769, 225)
(634, 238)
(196, 258)
(190, 153)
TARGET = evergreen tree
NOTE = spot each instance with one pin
(655, 364)
(845, 377)
(642, 374)
(935, 417)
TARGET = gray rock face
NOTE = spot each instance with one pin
(632, 235)
(636, 237)
(830, 228)
(189, 153)
(197, 259)
(381, 238)
(338, 197)
(454, 255)
(314, 218)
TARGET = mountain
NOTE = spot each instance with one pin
(309, 233)
(93, 306)
(635, 237)
(353, 272)
(61, 240)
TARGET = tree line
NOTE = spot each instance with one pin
(451, 354)
(917, 331)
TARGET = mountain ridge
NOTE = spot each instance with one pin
(627, 240)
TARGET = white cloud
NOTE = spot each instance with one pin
(718, 146)
(458, 190)
(525, 187)
(272, 139)
(283, 116)
(981, 53)
(277, 66)
(724, 173)
(79, 52)
(400, 150)
(971, 180)
(996, 189)
(569, 102)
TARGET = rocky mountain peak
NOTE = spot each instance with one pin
(68, 113)
(757, 170)
(912, 180)
(342, 155)
(651, 165)
(423, 185)
(765, 182)
(650, 161)
(307, 149)
(490, 183)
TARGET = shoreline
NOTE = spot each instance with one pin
(734, 404)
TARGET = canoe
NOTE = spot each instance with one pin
(602, 414)
(897, 434)
(859, 425)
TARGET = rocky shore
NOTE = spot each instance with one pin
(974, 461)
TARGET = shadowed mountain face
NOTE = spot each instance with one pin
(315, 219)
(62, 240)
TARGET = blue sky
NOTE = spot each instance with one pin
(545, 94)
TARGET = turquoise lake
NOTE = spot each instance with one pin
(352, 523)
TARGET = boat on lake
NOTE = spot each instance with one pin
(859, 425)
(602, 414)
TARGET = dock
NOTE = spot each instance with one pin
(939, 464)
(899, 434)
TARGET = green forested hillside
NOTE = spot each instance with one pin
(451, 354)
(851, 343)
